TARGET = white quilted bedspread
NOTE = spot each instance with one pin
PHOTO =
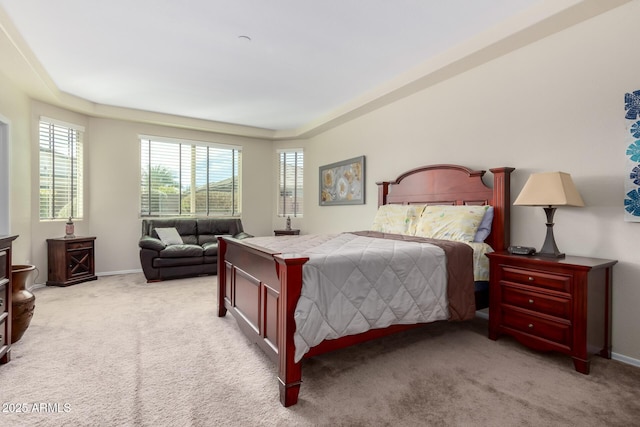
(354, 283)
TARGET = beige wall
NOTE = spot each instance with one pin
(553, 105)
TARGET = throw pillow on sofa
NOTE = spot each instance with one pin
(169, 236)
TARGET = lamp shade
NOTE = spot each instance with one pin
(549, 189)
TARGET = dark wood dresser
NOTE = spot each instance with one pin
(71, 260)
(5, 298)
(553, 304)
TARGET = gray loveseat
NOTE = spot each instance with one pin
(198, 253)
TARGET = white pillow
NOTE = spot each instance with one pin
(397, 219)
(169, 236)
(450, 222)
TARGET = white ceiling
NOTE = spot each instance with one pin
(188, 58)
(305, 57)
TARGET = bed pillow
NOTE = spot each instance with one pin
(484, 229)
(169, 236)
(450, 222)
(397, 219)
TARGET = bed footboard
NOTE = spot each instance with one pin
(261, 288)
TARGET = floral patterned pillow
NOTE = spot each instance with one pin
(397, 219)
(450, 222)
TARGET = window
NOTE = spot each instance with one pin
(60, 169)
(290, 183)
(189, 178)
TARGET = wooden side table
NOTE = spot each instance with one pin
(293, 232)
(553, 304)
(71, 260)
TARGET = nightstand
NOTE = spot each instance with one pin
(553, 304)
(286, 232)
(71, 260)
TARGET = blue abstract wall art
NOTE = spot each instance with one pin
(632, 171)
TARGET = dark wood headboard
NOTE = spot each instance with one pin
(455, 185)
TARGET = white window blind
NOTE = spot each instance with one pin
(291, 183)
(189, 178)
(61, 170)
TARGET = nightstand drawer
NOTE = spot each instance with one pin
(559, 332)
(535, 301)
(541, 279)
(80, 245)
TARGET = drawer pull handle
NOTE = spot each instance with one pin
(1, 301)
(531, 279)
(530, 325)
(530, 301)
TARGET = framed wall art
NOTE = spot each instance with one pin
(342, 183)
(632, 170)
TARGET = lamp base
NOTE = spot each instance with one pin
(550, 254)
(549, 248)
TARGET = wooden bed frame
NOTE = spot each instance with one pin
(261, 287)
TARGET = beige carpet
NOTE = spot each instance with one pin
(121, 352)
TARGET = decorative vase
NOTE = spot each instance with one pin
(69, 229)
(22, 300)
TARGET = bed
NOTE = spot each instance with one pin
(262, 287)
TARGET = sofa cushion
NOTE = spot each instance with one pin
(190, 239)
(206, 238)
(181, 251)
(218, 226)
(210, 248)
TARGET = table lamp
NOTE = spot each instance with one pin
(549, 189)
